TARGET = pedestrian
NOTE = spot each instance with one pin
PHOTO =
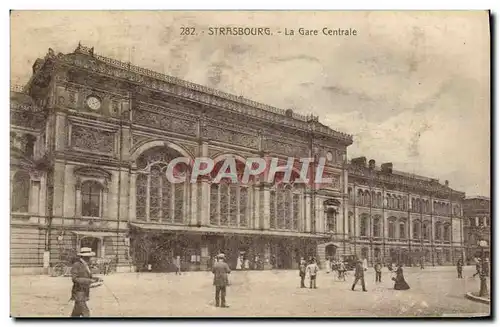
(302, 272)
(246, 263)
(328, 265)
(359, 275)
(378, 272)
(178, 265)
(221, 280)
(239, 263)
(312, 270)
(478, 267)
(341, 270)
(399, 280)
(421, 263)
(82, 282)
(460, 266)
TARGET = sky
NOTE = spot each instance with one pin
(413, 88)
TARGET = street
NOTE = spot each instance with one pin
(435, 291)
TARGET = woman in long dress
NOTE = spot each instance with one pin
(328, 265)
(399, 281)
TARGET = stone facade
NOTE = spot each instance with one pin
(477, 225)
(91, 137)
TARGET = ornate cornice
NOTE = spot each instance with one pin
(196, 92)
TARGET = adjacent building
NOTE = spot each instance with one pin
(91, 138)
(477, 226)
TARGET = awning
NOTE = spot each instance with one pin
(212, 230)
(94, 234)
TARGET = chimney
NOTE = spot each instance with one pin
(360, 161)
(386, 167)
(371, 164)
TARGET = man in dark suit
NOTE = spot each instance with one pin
(359, 274)
(221, 271)
(82, 280)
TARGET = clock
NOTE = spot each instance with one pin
(93, 103)
(329, 156)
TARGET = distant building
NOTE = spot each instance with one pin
(402, 218)
(477, 226)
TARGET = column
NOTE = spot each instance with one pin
(307, 203)
(204, 213)
(204, 256)
(132, 196)
(193, 212)
(266, 206)
(320, 221)
(255, 224)
(205, 202)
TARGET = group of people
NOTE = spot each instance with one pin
(312, 270)
(83, 280)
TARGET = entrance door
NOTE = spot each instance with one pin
(91, 242)
(330, 251)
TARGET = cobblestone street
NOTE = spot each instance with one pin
(434, 292)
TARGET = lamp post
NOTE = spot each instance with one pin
(483, 289)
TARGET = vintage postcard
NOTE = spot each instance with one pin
(250, 164)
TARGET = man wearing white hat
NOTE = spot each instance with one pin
(82, 280)
(221, 280)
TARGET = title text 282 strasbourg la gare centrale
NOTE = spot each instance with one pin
(266, 31)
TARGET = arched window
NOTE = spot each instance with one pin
(413, 205)
(20, 197)
(437, 230)
(377, 227)
(397, 204)
(91, 199)
(360, 199)
(389, 201)
(379, 199)
(367, 198)
(472, 222)
(402, 229)
(418, 205)
(363, 226)
(392, 228)
(446, 232)
(331, 221)
(350, 195)
(425, 231)
(158, 199)
(416, 229)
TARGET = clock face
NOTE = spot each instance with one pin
(93, 103)
(329, 156)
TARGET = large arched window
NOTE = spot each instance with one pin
(19, 199)
(157, 198)
(91, 199)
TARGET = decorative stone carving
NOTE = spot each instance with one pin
(87, 138)
(167, 123)
(232, 137)
(196, 92)
(138, 139)
(290, 150)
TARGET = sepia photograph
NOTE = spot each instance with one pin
(250, 164)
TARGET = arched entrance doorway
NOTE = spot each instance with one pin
(91, 242)
(330, 251)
